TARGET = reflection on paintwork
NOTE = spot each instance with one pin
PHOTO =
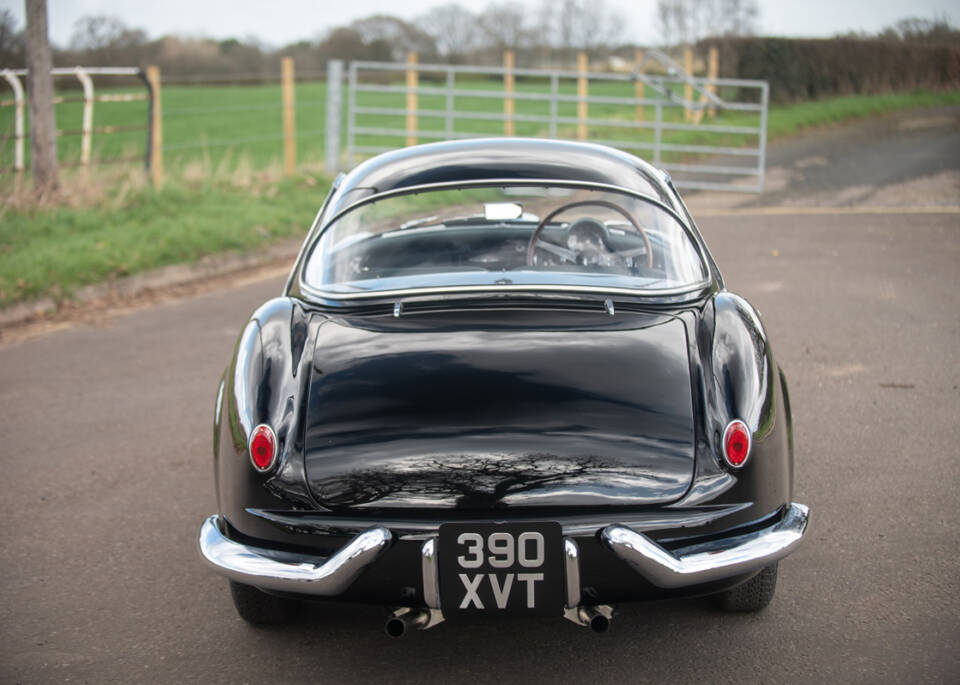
(708, 487)
(246, 382)
(740, 360)
(480, 480)
(477, 418)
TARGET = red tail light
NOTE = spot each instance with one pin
(263, 447)
(736, 443)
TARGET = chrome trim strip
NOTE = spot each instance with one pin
(708, 561)
(291, 572)
(496, 289)
(295, 521)
(571, 565)
(431, 582)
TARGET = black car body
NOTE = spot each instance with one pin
(498, 411)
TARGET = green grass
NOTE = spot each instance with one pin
(52, 251)
(787, 120)
(218, 125)
(211, 123)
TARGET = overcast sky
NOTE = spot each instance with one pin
(279, 22)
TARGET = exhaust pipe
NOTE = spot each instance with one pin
(592, 617)
(596, 618)
(402, 620)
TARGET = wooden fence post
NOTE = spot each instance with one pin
(713, 69)
(412, 84)
(508, 84)
(639, 90)
(156, 127)
(289, 120)
(688, 89)
(704, 100)
(582, 67)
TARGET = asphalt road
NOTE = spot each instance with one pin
(864, 160)
(106, 476)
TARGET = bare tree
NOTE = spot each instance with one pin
(398, 34)
(343, 43)
(687, 21)
(739, 17)
(580, 24)
(504, 25)
(43, 126)
(93, 32)
(936, 31)
(107, 41)
(11, 40)
(452, 28)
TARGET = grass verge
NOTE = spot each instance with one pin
(53, 251)
(127, 227)
(787, 120)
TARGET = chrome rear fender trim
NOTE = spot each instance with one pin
(708, 561)
(294, 573)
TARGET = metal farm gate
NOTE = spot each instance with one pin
(708, 133)
(87, 98)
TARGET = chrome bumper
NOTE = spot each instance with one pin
(690, 565)
(290, 572)
(708, 561)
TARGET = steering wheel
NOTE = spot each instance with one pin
(565, 253)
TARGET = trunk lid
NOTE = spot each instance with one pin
(499, 410)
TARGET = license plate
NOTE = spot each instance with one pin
(513, 568)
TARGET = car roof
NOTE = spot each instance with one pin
(478, 160)
(497, 158)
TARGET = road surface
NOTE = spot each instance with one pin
(106, 440)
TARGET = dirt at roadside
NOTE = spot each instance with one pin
(99, 310)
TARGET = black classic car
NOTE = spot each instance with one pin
(504, 376)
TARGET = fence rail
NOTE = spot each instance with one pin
(708, 132)
(89, 97)
(698, 154)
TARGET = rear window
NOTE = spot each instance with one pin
(527, 236)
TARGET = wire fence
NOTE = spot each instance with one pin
(709, 133)
(77, 130)
(203, 121)
(704, 130)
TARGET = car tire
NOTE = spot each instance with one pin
(261, 609)
(753, 595)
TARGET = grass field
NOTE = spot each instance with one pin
(217, 141)
(211, 124)
(222, 126)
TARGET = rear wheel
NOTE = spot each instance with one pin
(752, 595)
(261, 609)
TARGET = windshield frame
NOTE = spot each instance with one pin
(322, 294)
